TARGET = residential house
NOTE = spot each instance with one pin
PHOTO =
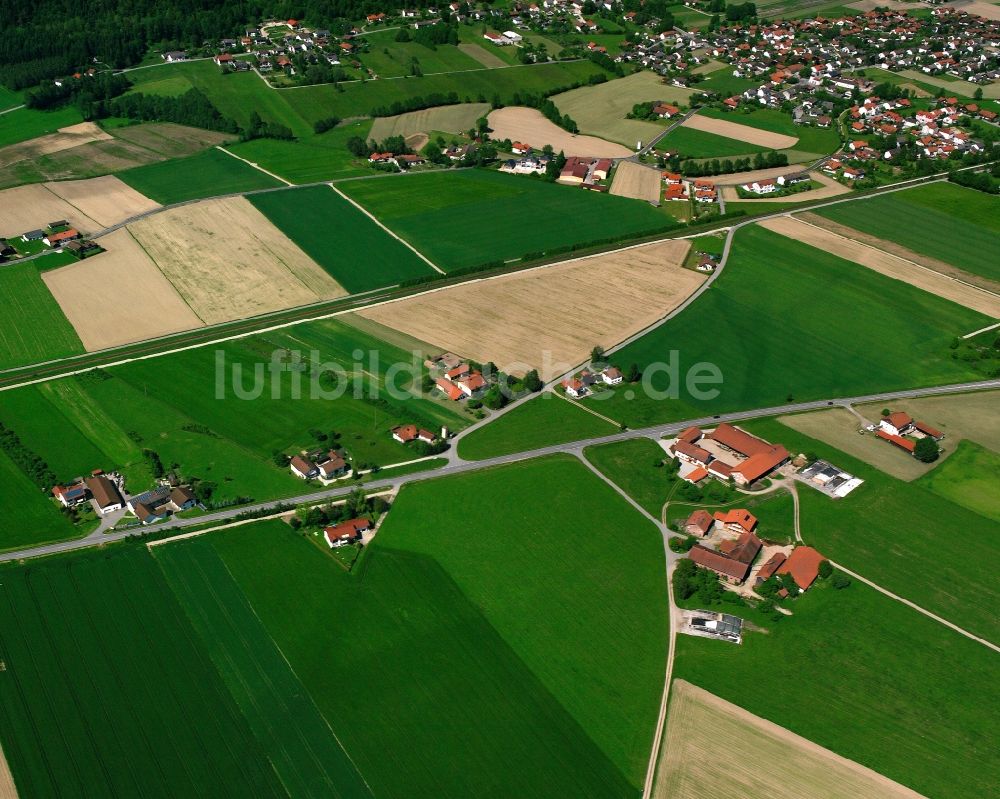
(333, 466)
(406, 433)
(575, 387)
(897, 423)
(303, 468)
(105, 494)
(803, 565)
(699, 523)
(55, 239)
(345, 532)
(70, 495)
(738, 520)
(612, 376)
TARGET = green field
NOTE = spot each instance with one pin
(775, 511)
(207, 174)
(105, 691)
(812, 140)
(471, 217)
(971, 219)
(691, 143)
(538, 422)
(9, 98)
(169, 405)
(508, 644)
(355, 251)
(286, 722)
(319, 157)
(32, 326)
(776, 336)
(900, 535)
(390, 59)
(968, 478)
(872, 680)
(27, 123)
(28, 516)
(632, 466)
(725, 83)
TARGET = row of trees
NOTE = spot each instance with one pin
(726, 166)
(33, 466)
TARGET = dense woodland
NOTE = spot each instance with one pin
(42, 39)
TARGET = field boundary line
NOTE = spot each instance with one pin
(402, 241)
(982, 330)
(591, 411)
(791, 215)
(258, 167)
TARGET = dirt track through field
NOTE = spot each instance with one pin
(714, 749)
(106, 200)
(529, 126)
(901, 251)
(744, 133)
(33, 207)
(830, 188)
(118, 296)
(229, 262)
(549, 318)
(64, 139)
(887, 264)
(637, 181)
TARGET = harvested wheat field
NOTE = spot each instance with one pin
(887, 264)
(549, 318)
(229, 262)
(744, 133)
(528, 125)
(830, 188)
(714, 749)
(637, 181)
(446, 118)
(30, 207)
(118, 296)
(64, 139)
(106, 200)
(7, 787)
(980, 8)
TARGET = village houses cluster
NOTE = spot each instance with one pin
(106, 494)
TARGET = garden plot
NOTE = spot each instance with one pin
(229, 262)
(549, 318)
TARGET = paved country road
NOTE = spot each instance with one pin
(458, 465)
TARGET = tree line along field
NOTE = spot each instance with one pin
(207, 174)
(776, 337)
(861, 674)
(354, 250)
(105, 419)
(472, 645)
(105, 691)
(891, 532)
(966, 223)
(32, 327)
(463, 219)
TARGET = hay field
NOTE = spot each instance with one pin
(171, 140)
(482, 55)
(549, 318)
(744, 133)
(64, 139)
(118, 296)
(446, 118)
(229, 262)
(106, 200)
(530, 126)
(714, 749)
(601, 109)
(830, 188)
(637, 181)
(887, 264)
(30, 207)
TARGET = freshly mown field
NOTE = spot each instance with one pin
(969, 478)
(505, 670)
(169, 405)
(355, 251)
(447, 118)
(28, 123)
(636, 467)
(467, 218)
(693, 143)
(776, 337)
(285, 721)
(207, 174)
(970, 218)
(538, 422)
(106, 692)
(32, 327)
(320, 157)
(861, 674)
(896, 534)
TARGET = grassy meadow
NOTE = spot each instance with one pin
(538, 422)
(207, 174)
(968, 478)
(691, 143)
(28, 123)
(355, 251)
(633, 466)
(466, 218)
(901, 535)
(776, 338)
(861, 674)
(391, 59)
(106, 692)
(812, 140)
(971, 220)
(32, 325)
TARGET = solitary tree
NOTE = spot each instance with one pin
(633, 375)
(825, 569)
(926, 450)
(597, 354)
